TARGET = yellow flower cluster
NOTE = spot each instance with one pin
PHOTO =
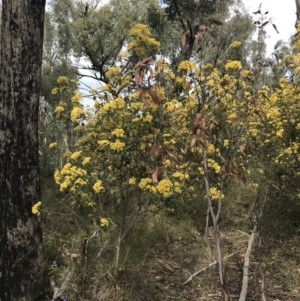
(179, 175)
(52, 145)
(98, 186)
(145, 184)
(117, 103)
(54, 91)
(215, 194)
(70, 175)
(235, 44)
(225, 142)
(119, 133)
(213, 164)
(58, 110)
(142, 40)
(76, 155)
(76, 113)
(148, 117)
(132, 181)
(86, 160)
(117, 145)
(104, 222)
(113, 72)
(210, 148)
(233, 65)
(165, 187)
(36, 208)
(186, 66)
(62, 80)
(77, 97)
(103, 142)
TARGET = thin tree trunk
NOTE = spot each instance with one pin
(297, 2)
(22, 276)
(207, 221)
(244, 289)
(215, 219)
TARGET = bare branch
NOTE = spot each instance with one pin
(244, 289)
(211, 264)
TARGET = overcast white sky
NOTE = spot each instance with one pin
(283, 15)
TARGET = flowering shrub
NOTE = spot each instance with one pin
(141, 140)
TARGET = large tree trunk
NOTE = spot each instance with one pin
(22, 275)
(297, 11)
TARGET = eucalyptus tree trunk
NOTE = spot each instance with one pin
(22, 275)
(297, 11)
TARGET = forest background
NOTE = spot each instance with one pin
(159, 180)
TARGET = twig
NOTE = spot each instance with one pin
(202, 270)
(87, 241)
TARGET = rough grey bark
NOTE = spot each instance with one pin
(22, 275)
(297, 10)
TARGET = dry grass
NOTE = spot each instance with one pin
(162, 251)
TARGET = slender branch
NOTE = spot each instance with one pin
(244, 289)
(179, 14)
(202, 270)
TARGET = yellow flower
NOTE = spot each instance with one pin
(144, 183)
(233, 65)
(164, 187)
(86, 160)
(179, 175)
(62, 80)
(117, 145)
(104, 222)
(57, 177)
(53, 145)
(215, 193)
(54, 91)
(98, 186)
(36, 208)
(148, 118)
(235, 44)
(75, 155)
(226, 142)
(279, 133)
(201, 170)
(67, 154)
(59, 109)
(75, 114)
(210, 149)
(119, 133)
(77, 97)
(132, 181)
(103, 142)
(79, 181)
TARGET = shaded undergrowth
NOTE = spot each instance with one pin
(163, 249)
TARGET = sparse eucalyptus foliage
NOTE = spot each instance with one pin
(188, 8)
(97, 33)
